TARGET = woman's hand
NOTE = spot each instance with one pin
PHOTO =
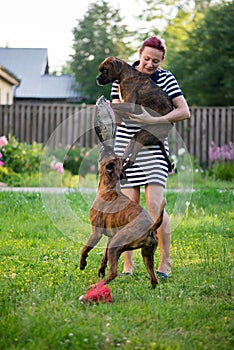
(179, 112)
(144, 118)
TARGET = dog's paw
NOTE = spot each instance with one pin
(83, 263)
(101, 272)
(154, 283)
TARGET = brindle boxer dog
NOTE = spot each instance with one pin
(137, 89)
(126, 223)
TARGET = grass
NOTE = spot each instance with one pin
(40, 280)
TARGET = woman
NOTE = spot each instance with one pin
(150, 167)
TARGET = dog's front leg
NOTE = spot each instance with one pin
(113, 255)
(93, 240)
(102, 268)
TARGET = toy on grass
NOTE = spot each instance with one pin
(98, 293)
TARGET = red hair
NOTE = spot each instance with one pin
(154, 42)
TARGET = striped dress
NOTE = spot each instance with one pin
(150, 166)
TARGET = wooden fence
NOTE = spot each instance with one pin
(66, 124)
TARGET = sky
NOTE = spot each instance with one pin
(49, 23)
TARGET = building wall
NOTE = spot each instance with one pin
(6, 93)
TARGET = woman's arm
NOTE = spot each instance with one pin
(116, 100)
(180, 112)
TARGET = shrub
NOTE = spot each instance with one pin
(222, 161)
(77, 159)
(21, 157)
(223, 170)
(20, 163)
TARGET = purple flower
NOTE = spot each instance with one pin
(1, 163)
(59, 168)
(3, 141)
(225, 152)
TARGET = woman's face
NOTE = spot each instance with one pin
(150, 60)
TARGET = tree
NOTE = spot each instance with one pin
(98, 35)
(205, 66)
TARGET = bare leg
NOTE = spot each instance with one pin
(134, 194)
(154, 195)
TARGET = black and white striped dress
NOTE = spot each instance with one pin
(150, 166)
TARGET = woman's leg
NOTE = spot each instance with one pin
(134, 194)
(154, 195)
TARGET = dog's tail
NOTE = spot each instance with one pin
(159, 220)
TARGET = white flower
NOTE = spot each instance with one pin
(181, 151)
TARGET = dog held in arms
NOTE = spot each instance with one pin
(126, 223)
(137, 89)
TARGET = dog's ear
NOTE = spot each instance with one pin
(117, 64)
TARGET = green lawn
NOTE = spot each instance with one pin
(40, 280)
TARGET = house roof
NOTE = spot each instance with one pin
(31, 66)
(8, 76)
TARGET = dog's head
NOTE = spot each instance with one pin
(110, 70)
(110, 165)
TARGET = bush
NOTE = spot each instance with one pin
(223, 161)
(21, 157)
(20, 163)
(80, 160)
(9, 177)
(77, 159)
(223, 170)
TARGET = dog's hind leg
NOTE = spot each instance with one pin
(93, 240)
(148, 257)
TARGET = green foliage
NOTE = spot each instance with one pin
(223, 170)
(166, 14)
(22, 164)
(22, 157)
(40, 282)
(78, 160)
(9, 177)
(98, 35)
(203, 67)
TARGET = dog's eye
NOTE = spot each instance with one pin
(104, 71)
(110, 166)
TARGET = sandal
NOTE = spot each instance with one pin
(125, 274)
(163, 275)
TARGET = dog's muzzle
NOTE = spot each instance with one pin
(100, 80)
